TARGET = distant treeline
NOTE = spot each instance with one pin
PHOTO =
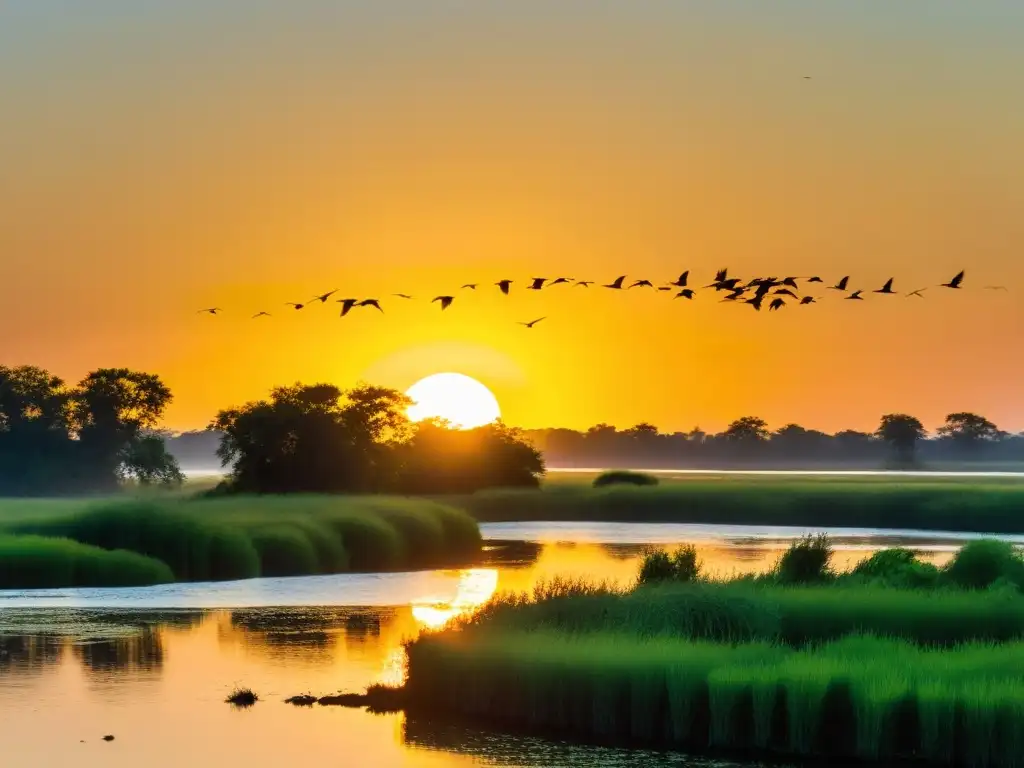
(900, 440)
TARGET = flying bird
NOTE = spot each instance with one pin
(856, 295)
(532, 322)
(955, 282)
(402, 295)
(370, 303)
(323, 297)
(808, 300)
(720, 275)
(887, 288)
(736, 293)
(346, 305)
(785, 292)
(996, 288)
(261, 314)
(446, 301)
(293, 304)
(560, 281)
(841, 285)
(504, 285)
(538, 283)
(755, 302)
(776, 304)
(616, 284)
(470, 286)
(210, 311)
(919, 293)
(815, 279)
(584, 283)
(683, 279)
(790, 282)
(686, 293)
(642, 284)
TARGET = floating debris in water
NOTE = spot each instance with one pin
(242, 698)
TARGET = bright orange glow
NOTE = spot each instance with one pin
(458, 399)
(476, 587)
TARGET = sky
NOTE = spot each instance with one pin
(157, 158)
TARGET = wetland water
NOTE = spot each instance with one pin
(152, 666)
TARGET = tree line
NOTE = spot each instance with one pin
(96, 435)
(900, 440)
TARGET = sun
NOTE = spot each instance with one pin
(459, 399)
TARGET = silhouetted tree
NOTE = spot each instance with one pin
(748, 429)
(319, 438)
(969, 431)
(901, 432)
(58, 439)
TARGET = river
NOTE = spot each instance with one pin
(152, 666)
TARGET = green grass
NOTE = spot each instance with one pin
(856, 698)
(244, 537)
(34, 562)
(745, 611)
(984, 506)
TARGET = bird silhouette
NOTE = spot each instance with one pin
(955, 282)
(323, 297)
(755, 302)
(294, 304)
(682, 281)
(470, 286)
(666, 287)
(996, 288)
(370, 303)
(919, 293)
(720, 275)
(560, 281)
(446, 301)
(841, 285)
(346, 305)
(686, 293)
(616, 284)
(261, 314)
(785, 292)
(776, 304)
(856, 295)
(504, 285)
(815, 279)
(790, 282)
(735, 294)
(532, 322)
(584, 283)
(887, 288)
(402, 295)
(642, 284)
(808, 300)
(210, 311)
(537, 284)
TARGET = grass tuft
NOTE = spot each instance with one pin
(242, 698)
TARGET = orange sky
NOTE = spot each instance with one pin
(158, 158)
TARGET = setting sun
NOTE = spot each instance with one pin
(461, 400)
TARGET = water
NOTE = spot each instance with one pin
(152, 666)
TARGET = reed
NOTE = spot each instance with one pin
(34, 562)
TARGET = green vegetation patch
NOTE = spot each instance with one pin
(624, 477)
(34, 562)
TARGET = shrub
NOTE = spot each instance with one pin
(805, 562)
(34, 562)
(285, 550)
(897, 567)
(681, 565)
(981, 563)
(687, 566)
(624, 477)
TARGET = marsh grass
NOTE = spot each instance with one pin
(35, 562)
(855, 698)
(990, 506)
(242, 698)
(213, 539)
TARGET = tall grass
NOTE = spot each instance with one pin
(34, 562)
(744, 611)
(992, 507)
(857, 698)
(243, 537)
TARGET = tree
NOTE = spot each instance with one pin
(748, 429)
(969, 431)
(56, 439)
(901, 432)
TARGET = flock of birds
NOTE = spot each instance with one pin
(755, 293)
